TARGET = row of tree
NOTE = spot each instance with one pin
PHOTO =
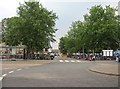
(34, 27)
(99, 30)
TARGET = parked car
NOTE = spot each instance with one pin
(52, 56)
(6, 56)
(47, 57)
(116, 55)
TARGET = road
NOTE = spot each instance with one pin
(61, 73)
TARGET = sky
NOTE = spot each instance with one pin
(67, 11)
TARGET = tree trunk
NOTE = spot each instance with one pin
(24, 55)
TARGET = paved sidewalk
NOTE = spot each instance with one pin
(23, 63)
(108, 69)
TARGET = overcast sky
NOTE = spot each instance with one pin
(68, 11)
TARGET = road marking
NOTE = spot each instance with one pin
(61, 60)
(78, 61)
(66, 61)
(1, 78)
(4, 75)
(19, 69)
(69, 61)
(11, 72)
(72, 61)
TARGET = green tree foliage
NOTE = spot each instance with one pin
(75, 36)
(63, 44)
(34, 27)
(11, 35)
(72, 41)
(98, 31)
(102, 28)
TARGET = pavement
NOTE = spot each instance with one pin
(22, 64)
(108, 69)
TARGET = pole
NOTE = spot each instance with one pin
(83, 53)
(24, 54)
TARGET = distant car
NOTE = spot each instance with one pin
(4, 56)
(116, 55)
(47, 57)
(118, 58)
(52, 56)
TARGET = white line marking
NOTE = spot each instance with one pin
(4, 75)
(61, 60)
(78, 61)
(11, 72)
(66, 61)
(19, 69)
(1, 78)
(72, 61)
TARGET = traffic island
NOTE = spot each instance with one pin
(108, 69)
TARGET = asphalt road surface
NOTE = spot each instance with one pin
(61, 73)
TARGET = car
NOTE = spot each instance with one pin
(47, 57)
(52, 56)
(118, 58)
(5, 56)
(116, 55)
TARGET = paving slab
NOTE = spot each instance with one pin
(108, 69)
(22, 63)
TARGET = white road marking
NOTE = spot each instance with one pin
(4, 75)
(1, 78)
(69, 61)
(11, 72)
(78, 61)
(66, 61)
(19, 69)
(72, 61)
(61, 60)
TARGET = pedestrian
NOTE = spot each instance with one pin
(116, 58)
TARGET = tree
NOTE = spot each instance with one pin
(71, 43)
(102, 30)
(75, 36)
(98, 31)
(11, 35)
(3, 25)
(63, 45)
(34, 26)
